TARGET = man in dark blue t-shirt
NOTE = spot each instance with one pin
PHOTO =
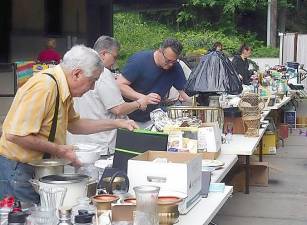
(152, 74)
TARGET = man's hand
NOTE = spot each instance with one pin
(67, 152)
(143, 103)
(240, 76)
(153, 98)
(126, 124)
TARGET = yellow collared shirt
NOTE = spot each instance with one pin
(32, 111)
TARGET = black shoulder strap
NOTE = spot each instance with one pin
(51, 137)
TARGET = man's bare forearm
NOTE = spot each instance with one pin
(89, 126)
(34, 143)
(125, 108)
(129, 93)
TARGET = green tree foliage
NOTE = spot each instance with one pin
(193, 9)
(136, 33)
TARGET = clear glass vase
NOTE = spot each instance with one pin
(146, 205)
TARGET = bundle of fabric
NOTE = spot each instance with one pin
(24, 71)
(214, 73)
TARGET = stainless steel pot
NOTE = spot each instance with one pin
(46, 167)
(77, 186)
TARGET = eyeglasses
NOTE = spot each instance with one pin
(168, 61)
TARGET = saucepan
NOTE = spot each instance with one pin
(77, 186)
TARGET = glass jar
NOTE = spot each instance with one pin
(41, 216)
(64, 216)
(146, 205)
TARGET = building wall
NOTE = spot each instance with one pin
(28, 36)
(74, 16)
(28, 15)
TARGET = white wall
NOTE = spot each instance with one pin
(266, 61)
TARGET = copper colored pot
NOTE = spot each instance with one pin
(103, 202)
(168, 209)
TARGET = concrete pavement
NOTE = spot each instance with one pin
(284, 201)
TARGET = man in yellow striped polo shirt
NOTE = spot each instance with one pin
(28, 123)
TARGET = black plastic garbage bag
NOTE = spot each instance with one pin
(214, 73)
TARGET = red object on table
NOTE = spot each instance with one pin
(7, 202)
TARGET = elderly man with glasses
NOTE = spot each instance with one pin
(40, 105)
(105, 101)
(151, 74)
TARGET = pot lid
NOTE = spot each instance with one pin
(49, 162)
(64, 178)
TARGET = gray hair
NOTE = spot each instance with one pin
(84, 58)
(106, 43)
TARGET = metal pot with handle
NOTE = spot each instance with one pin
(46, 167)
(77, 186)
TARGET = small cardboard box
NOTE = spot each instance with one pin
(181, 174)
(209, 137)
(122, 212)
(236, 123)
(259, 176)
(210, 155)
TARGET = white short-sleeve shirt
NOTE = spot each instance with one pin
(97, 104)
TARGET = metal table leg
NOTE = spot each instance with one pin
(247, 168)
(260, 151)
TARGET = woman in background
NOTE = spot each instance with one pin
(241, 64)
(49, 55)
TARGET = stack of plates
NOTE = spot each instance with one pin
(211, 165)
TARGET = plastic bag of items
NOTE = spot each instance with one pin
(214, 73)
(160, 119)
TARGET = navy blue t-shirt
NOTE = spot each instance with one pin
(147, 77)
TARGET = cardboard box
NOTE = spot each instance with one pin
(237, 124)
(210, 155)
(122, 212)
(259, 176)
(209, 137)
(182, 175)
(182, 139)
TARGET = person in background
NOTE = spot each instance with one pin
(217, 46)
(27, 126)
(151, 74)
(240, 63)
(105, 101)
(49, 54)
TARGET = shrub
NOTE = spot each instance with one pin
(136, 33)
